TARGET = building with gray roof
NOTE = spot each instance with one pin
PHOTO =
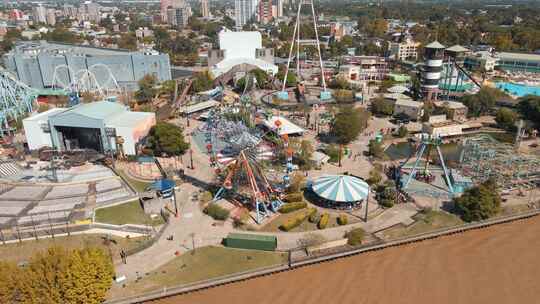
(42, 64)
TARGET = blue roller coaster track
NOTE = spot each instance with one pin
(16, 100)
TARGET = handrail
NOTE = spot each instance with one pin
(231, 278)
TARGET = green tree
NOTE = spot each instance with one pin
(355, 236)
(340, 82)
(506, 119)
(262, 78)
(291, 77)
(343, 96)
(348, 123)
(128, 42)
(479, 203)
(167, 138)
(202, 82)
(375, 177)
(377, 28)
(375, 149)
(482, 103)
(58, 276)
(381, 106)
(147, 88)
(168, 87)
(529, 107)
(61, 34)
(305, 154)
(402, 132)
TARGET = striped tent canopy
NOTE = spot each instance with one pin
(341, 188)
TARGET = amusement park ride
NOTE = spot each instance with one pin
(426, 145)
(238, 151)
(85, 81)
(296, 41)
(16, 100)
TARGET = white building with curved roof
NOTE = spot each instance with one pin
(240, 48)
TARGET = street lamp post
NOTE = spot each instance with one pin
(191, 159)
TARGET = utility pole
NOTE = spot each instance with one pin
(175, 203)
(191, 158)
(192, 242)
(367, 204)
(3, 238)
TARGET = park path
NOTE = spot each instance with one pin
(194, 229)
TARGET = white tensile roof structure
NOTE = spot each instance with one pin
(286, 126)
(241, 48)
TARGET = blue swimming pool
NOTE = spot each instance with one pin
(519, 90)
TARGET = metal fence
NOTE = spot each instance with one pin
(180, 289)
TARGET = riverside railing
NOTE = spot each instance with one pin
(240, 276)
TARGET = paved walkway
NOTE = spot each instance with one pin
(194, 229)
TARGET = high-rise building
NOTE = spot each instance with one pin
(70, 11)
(265, 11)
(244, 11)
(205, 11)
(16, 15)
(431, 70)
(279, 6)
(51, 17)
(406, 49)
(178, 3)
(164, 5)
(179, 17)
(39, 14)
(92, 9)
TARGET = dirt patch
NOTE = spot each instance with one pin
(493, 265)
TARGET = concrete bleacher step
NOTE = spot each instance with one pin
(9, 168)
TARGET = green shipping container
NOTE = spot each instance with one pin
(251, 241)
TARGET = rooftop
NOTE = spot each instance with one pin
(44, 115)
(33, 48)
(200, 106)
(286, 127)
(457, 49)
(435, 45)
(129, 119)
(450, 104)
(409, 103)
(98, 110)
(518, 56)
(395, 96)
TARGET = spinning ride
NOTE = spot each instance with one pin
(237, 151)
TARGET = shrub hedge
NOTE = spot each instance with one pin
(294, 197)
(342, 219)
(323, 222)
(294, 222)
(355, 237)
(315, 217)
(290, 207)
(217, 212)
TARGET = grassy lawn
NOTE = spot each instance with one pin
(18, 252)
(273, 226)
(201, 264)
(514, 209)
(140, 186)
(127, 213)
(425, 222)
